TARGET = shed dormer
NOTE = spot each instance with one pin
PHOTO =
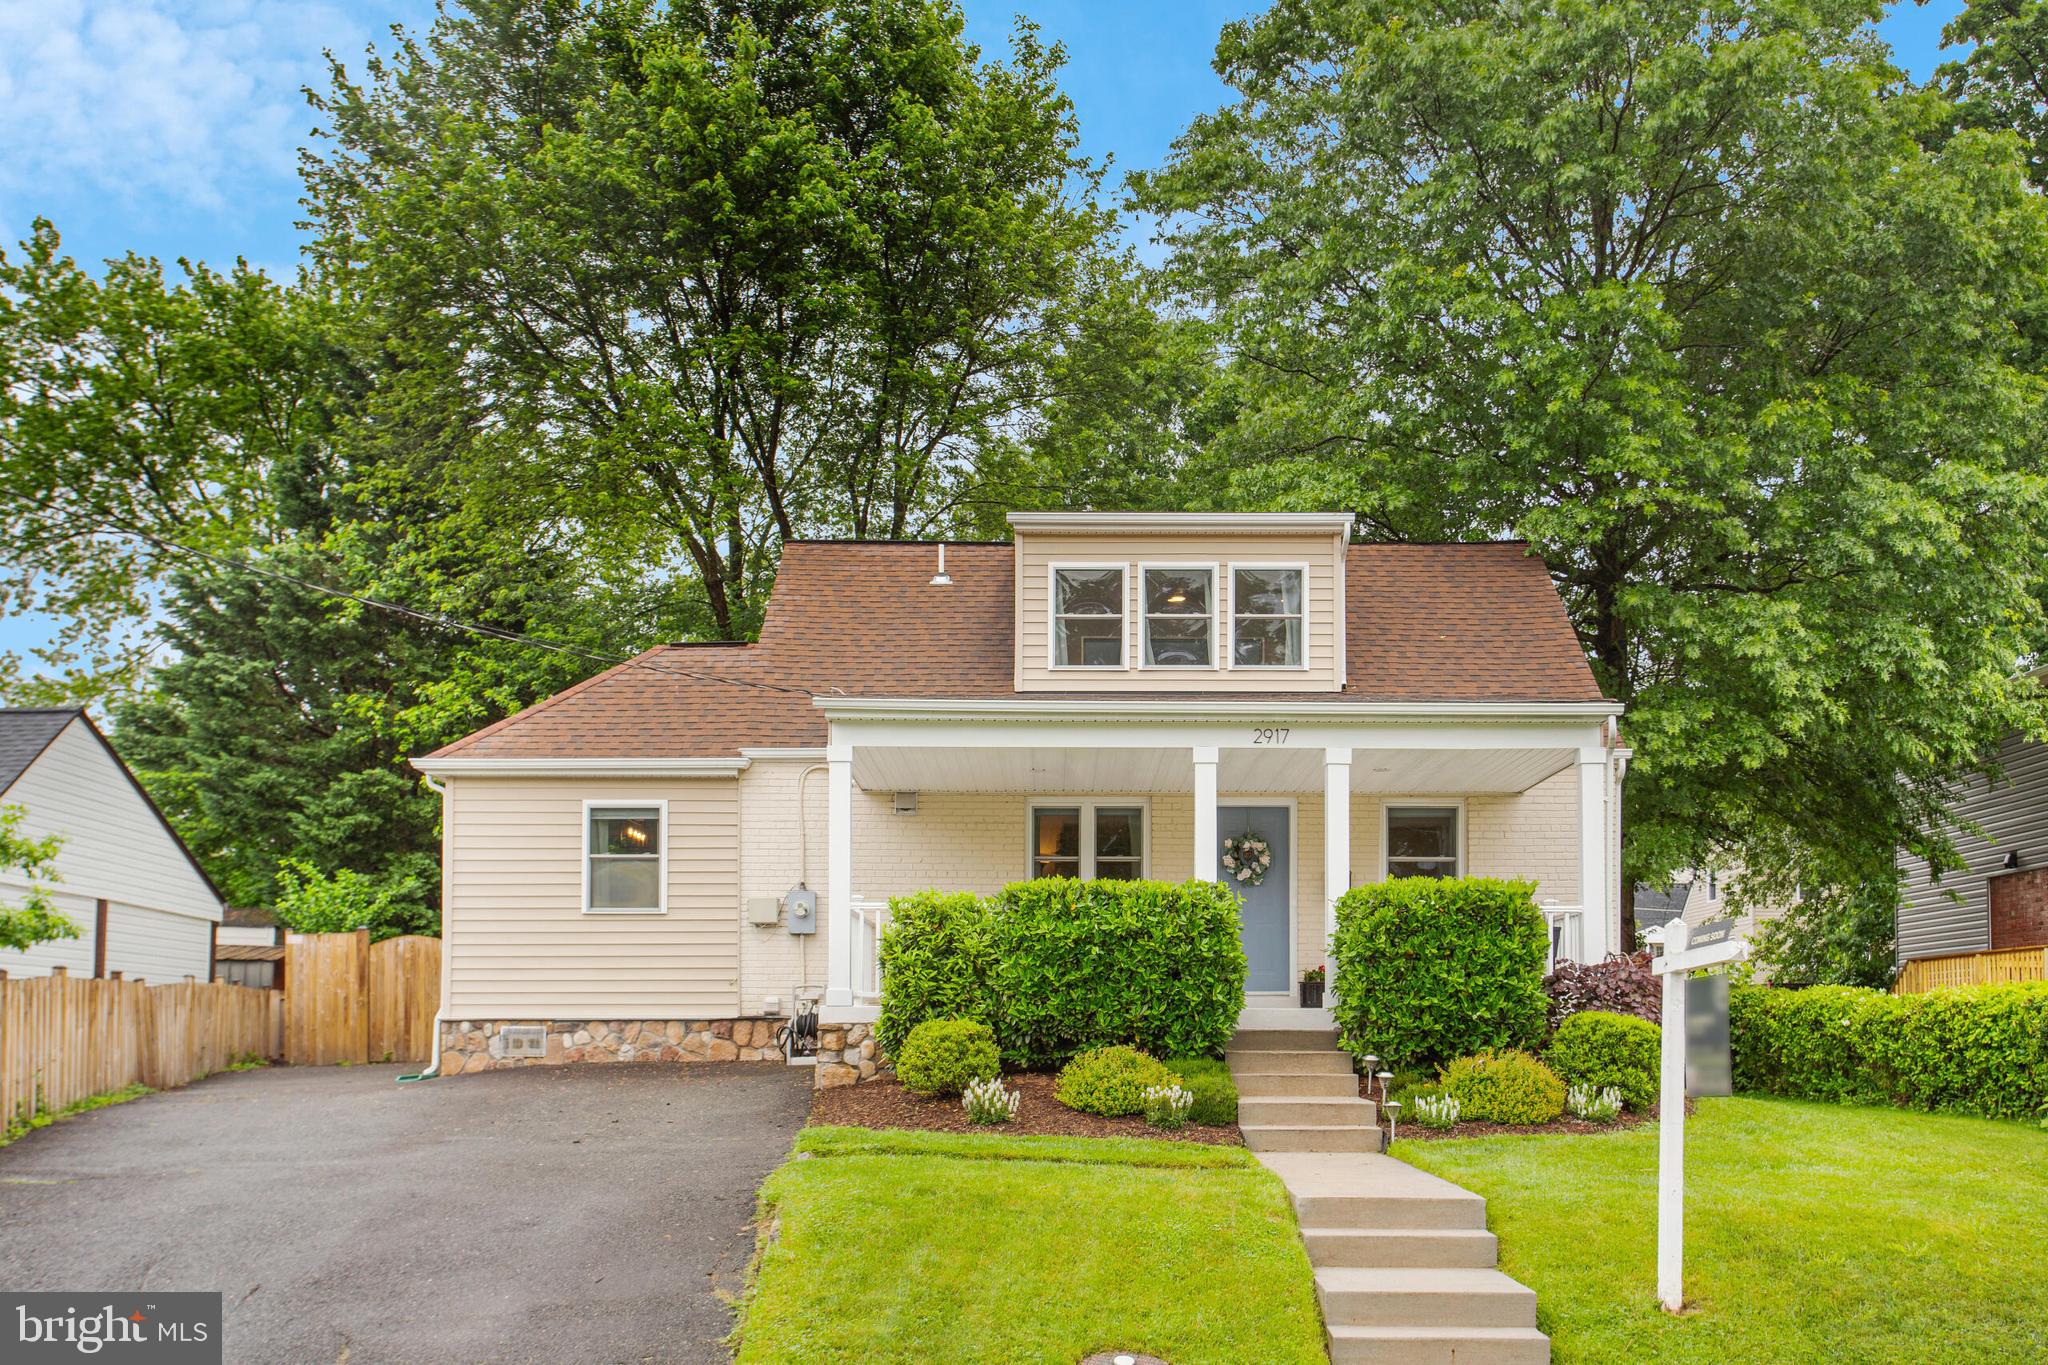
(1180, 602)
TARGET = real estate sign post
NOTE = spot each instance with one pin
(1679, 957)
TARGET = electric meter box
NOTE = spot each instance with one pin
(801, 906)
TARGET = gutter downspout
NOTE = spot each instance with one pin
(433, 1068)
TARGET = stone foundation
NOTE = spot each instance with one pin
(847, 1055)
(478, 1045)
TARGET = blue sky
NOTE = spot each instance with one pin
(173, 129)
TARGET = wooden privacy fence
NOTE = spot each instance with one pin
(63, 1038)
(1972, 969)
(350, 1000)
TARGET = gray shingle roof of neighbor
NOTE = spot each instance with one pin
(1658, 905)
(25, 732)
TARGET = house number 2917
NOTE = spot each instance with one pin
(1271, 734)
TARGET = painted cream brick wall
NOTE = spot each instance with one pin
(1534, 834)
(776, 852)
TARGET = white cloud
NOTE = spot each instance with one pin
(154, 102)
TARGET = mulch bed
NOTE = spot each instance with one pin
(886, 1104)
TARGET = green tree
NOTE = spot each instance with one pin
(1682, 297)
(2001, 81)
(723, 273)
(313, 902)
(32, 919)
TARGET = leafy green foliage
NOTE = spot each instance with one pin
(936, 960)
(1619, 984)
(1433, 1108)
(1058, 965)
(31, 919)
(1432, 968)
(1836, 936)
(1978, 1050)
(1999, 80)
(1510, 1086)
(1111, 1081)
(1708, 306)
(1598, 1049)
(1208, 1080)
(312, 902)
(941, 1056)
(36, 1114)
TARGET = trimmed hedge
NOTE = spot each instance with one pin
(1431, 969)
(1110, 1081)
(1978, 1050)
(1057, 966)
(1601, 1049)
(1509, 1086)
(941, 1056)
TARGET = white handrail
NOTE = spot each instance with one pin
(869, 918)
(1566, 924)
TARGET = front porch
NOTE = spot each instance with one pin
(970, 796)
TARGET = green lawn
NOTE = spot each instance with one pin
(1814, 1232)
(946, 1247)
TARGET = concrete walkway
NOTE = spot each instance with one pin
(1404, 1265)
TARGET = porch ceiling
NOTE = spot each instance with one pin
(1166, 769)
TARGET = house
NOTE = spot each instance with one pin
(1999, 899)
(249, 949)
(144, 907)
(666, 858)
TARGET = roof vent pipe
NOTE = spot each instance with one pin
(940, 579)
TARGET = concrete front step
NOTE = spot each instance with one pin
(1423, 1296)
(1404, 1345)
(1307, 1110)
(1295, 1137)
(1268, 1060)
(1295, 1084)
(1393, 1247)
(1338, 1190)
(1284, 1040)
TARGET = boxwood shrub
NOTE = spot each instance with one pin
(1057, 966)
(1977, 1050)
(1601, 1049)
(1509, 1086)
(942, 1055)
(1109, 1080)
(1431, 969)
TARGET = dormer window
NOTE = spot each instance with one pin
(1267, 617)
(1180, 617)
(1088, 616)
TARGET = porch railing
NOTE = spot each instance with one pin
(1567, 940)
(870, 917)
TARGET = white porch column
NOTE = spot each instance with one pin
(1336, 836)
(1594, 874)
(1205, 814)
(839, 873)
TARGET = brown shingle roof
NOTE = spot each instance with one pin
(1427, 623)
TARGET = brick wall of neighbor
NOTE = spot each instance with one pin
(2019, 908)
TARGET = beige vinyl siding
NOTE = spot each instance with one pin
(1037, 552)
(518, 942)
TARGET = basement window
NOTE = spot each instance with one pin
(625, 858)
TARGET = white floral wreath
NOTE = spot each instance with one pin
(1247, 859)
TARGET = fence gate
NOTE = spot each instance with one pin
(350, 1000)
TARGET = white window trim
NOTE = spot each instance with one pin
(1088, 806)
(1215, 571)
(1387, 805)
(1292, 805)
(657, 804)
(1052, 618)
(1230, 617)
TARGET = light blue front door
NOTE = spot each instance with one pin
(1267, 921)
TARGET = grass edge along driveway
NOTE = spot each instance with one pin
(1814, 1232)
(889, 1245)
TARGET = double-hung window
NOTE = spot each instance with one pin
(1085, 839)
(1422, 841)
(1180, 618)
(624, 857)
(1267, 617)
(1088, 616)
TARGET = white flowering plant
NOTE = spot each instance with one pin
(1594, 1104)
(1167, 1106)
(1247, 859)
(988, 1101)
(1434, 1109)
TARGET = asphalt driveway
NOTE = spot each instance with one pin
(592, 1213)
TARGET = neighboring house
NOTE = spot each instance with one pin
(144, 908)
(1698, 896)
(249, 950)
(1657, 906)
(1999, 899)
(626, 864)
